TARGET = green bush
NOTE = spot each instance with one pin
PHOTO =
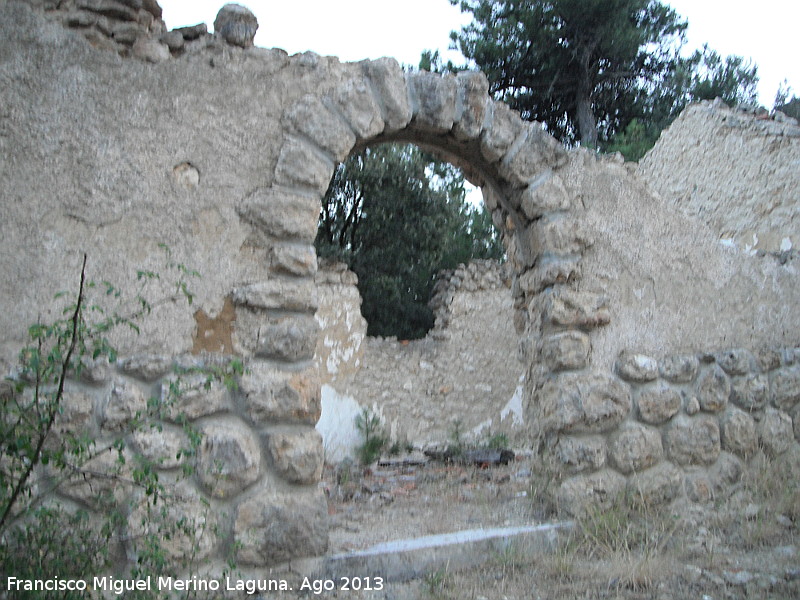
(41, 538)
(374, 438)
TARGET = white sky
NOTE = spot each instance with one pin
(765, 31)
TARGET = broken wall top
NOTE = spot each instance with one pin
(737, 171)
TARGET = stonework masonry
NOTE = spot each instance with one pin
(654, 357)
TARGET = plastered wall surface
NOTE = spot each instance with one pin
(117, 138)
(734, 170)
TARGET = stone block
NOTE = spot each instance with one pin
(276, 397)
(537, 153)
(298, 457)
(566, 351)
(635, 447)
(775, 432)
(309, 117)
(691, 405)
(192, 396)
(390, 84)
(293, 259)
(355, 101)
(657, 403)
(738, 432)
(568, 308)
(505, 126)
(150, 50)
(548, 272)
(750, 392)
(236, 25)
(736, 361)
(698, 486)
(637, 368)
(76, 415)
(556, 235)
(767, 359)
(189, 521)
(192, 32)
(795, 414)
(124, 403)
(433, 101)
(579, 454)
(279, 294)
(785, 387)
(300, 165)
(282, 214)
(472, 98)
(165, 447)
(228, 459)
(693, 440)
(713, 389)
(584, 492)
(290, 338)
(656, 486)
(271, 529)
(126, 33)
(726, 472)
(147, 367)
(545, 194)
(109, 8)
(103, 482)
(679, 368)
(583, 403)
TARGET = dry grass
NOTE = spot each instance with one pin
(741, 546)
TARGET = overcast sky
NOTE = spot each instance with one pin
(764, 31)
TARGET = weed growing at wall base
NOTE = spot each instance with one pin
(43, 537)
(374, 438)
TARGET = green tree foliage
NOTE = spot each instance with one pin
(607, 73)
(733, 79)
(397, 216)
(579, 66)
(702, 76)
(788, 106)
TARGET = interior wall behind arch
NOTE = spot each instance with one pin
(464, 374)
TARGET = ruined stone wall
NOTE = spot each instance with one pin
(735, 171)
(465, 374)
(222, 152)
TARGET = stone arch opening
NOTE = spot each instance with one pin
(513, 161)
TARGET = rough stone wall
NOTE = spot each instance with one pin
(649, 281)
(734, 170)
(223, 154)
(464, 374)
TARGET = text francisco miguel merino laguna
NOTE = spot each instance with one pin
(120, 586)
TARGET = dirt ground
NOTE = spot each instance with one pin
(741, 546)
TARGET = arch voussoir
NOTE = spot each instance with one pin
(390, 88)
(433, 101)
(472, 99)
(300, 165)
(355, 101)
(311, 118)
(501, 129)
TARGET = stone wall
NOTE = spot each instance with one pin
(465, 374)
(735, 170)
(685, 425)
(222, 155)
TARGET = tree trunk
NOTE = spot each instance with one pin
(587, 126)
